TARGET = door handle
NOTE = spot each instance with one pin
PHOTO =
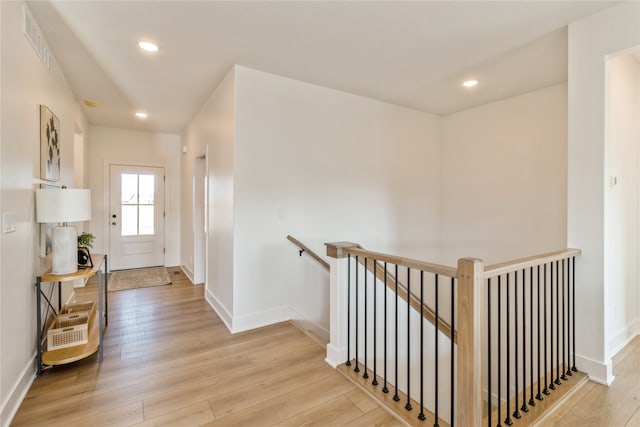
(113, 223)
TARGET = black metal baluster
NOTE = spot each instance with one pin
(564, 323)
(569, 371)
(499, 349)
(551, 384)
(357, 368)
(508, 421)
(437, 355)
(395, 396)
(489, 410)
(408, 406)
(546, 367)
(384, 387)
(453, 329)
(366, 303)
(421, 416)
(525, 408)
(375, 323)
(516, 412)
(348, 310)
(539, 394)
(557, 381)
(573, 285)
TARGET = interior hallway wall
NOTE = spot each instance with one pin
(212, 132)
(621, 201)
(25, 84)
(130, 147)
(591, 40)
(323, 165)
(504, 178)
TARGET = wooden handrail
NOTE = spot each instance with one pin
(531, 261)
(312, 254)
(428, 312)
(442, 270)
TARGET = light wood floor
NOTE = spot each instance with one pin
(596, 405)
(169, 360)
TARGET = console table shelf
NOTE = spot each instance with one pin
(98, 321)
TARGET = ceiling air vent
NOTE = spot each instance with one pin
(34, 35)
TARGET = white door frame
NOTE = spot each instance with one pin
(104, 211)
(200, 227)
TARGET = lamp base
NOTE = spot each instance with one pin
(64, 245)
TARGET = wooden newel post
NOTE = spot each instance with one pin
(338, 274)
(469, 366)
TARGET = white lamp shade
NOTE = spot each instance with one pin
(63, 205)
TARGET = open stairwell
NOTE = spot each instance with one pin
(466, 345)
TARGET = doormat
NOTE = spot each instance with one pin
(138, 278)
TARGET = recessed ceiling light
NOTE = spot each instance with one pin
(141, 115)
(148, 46)
(470, 83)
(91, 104)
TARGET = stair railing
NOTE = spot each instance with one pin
(530, 335)
(304, 249)
(513, 326)
(378, 301)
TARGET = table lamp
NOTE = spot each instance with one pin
(62, 206)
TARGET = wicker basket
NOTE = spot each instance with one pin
(78, 306)
(71, 326)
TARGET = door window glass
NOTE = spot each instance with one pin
(138, 204)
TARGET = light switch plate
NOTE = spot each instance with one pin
(8, 222)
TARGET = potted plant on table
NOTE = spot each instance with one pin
(85, 241)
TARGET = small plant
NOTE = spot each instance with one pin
(85, 240)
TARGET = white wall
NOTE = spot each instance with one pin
(590, 41)
(323, 165)
(621, 202)
(212, 131)
(129, 147)
(25, 84)
(503, 178)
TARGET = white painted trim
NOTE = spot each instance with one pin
(187, 272)
(106, 197)
(624, 337)
(257, 319)
(335, 356)
(18, 392)
(220, 309)
(600, 372)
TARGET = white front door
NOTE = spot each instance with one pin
(136, 217)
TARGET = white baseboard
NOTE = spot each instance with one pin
(309, 325)
(624, 337)
(600, 372)
(18, 392)
(219, 308)
(187, 272)
(257, 319)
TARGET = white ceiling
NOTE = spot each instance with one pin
(414, 54)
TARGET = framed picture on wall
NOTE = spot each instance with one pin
(49, 145)
(46, 231)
